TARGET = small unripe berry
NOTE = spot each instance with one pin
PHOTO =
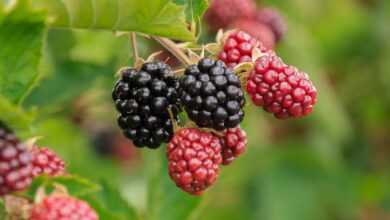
(281, 89)
(15, 164)
(194, 157)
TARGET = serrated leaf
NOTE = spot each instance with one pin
(21, 37)
(154, 17)
(165, 200)
(76, 186)
(194, 8)
(110, 203)
(13, 116)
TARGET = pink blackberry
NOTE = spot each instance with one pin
(46, 161)
(222, 13)
(274, 20)
(258, 30)
(233, 144)
(194, 157)
(15, 164)
(237, 48)
(281, 89)
(62, 207)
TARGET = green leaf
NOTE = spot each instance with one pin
(21, 37)
(76, 186)
(14, 117)
(154, 17)
(165, 200)
(109, 203)
(194, 8)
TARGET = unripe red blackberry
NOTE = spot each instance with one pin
(15, 164)
(46, 161)
(281, 89)
(143, 99)
(233, 144)
(258, 30)
(194, 157)
(211, 95)
(274, 20)
(237, 48)
(62, 207)
(222, 13)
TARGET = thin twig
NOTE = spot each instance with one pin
(133, 42)
(172, 48)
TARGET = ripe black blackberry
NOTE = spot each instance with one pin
(211, 95)
(143, 98)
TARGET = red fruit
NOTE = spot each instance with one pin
(274, 20)
(194, 157)
(237, 48)
(258, 30)
(15, 164)
(64, 207)
(233, 144)
(46, 161)
(222, 13)
(281, 89)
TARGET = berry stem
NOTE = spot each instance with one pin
(172, 48)
(175, 126)
(133, 42)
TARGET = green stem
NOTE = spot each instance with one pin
(172, 48)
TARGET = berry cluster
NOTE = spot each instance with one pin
(143, 98)
(62, 207)
(281, 89)
(211, 95)
(266, 24)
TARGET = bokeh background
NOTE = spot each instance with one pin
(332, 165)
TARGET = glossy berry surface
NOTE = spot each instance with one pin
(274, 20)
(62, 207)
(281, 89)
(212, 95)
(46, 161)
(15, 164)
(257, 30)
(194, 157)
(143, 98)
(233, 144)
(222, 13)
(237, 48)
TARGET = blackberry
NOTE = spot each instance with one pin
(62, 207)
(211, 95)
(15, 164)
(237, 48)
(233, 144)
(281, 89)
(194, 157)
(273, 19)
(223, 13)
(258, 30)
(143, 98)
(46, 161)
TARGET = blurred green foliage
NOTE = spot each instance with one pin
(333, 165)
